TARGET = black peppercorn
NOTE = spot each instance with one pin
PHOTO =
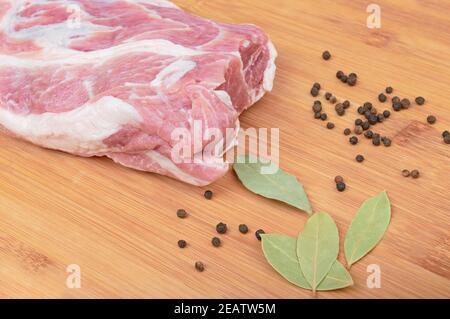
(365, 125)
(351, 80)
(353, 140)
(199, 266)
(330, 125)
(221, 228)
(373, 111)
(338, 179)
(243, 228)
(339, 74)
(445, 133)
(395, 99)
(326, 55)
(328, 96)
(382, 98)
(323, 116)
(397, 106)
(359, 158)
(340, 112)
(387, 141)
(367, 114)
(376, 140)
(317, 85)
(208, 194)
(341, 186)
(258, 233)
(406, 173)
(420, 100)
(376, 135)
(361, 110)
(347, 131)
(317, 107)
(216, 242)
(431, 119)
(373, 119)
(333, 99)
(386, 113)
(346, 104)
(182, 243)
(358, 129)
(447, 139)
(415, 174)
(181, 213)
(368, 106)
(358, 122)
(317, 115)
(344, 79)
(380, 117)
(405, 103)
(368, 134)
(314, 91)
(389, 90)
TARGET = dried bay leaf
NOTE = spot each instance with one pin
(279, 186)
(317, 248)
(281, 253)
(367, 227)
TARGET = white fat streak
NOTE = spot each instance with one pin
(61, 56)
(159, 3)
(166, 164)
(81, 130)
(172, 73)
(224, 97)
(269, 73)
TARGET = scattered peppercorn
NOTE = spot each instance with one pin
(386, 113)
(243, 228)
(347, 131)
(181, 213)
(405, 103)
(317, 115)
(447, 139)
(339, 74)
(431, 119)
(340, 112)
(330, 125)
(387, 141)
(368, 105)
(258, 233)
(389, 90)
(360, 158)
(445, 133)
(208, 194)
(358, 129)
(221, 228)
(380, 117)
(333, 99)
(341, 186)
(199, 266)
(216, 242)
(373, 111)
(317, 107)
(344, 79)
(353, 140)
(382, 98)
(406, 173)
(351, 80)
(368, 134)
(365, 125)
(376, 140)
(326, 55)
(323, 116)
(338, 179)
(395, 99)
(361, 110)
(415, 174)
(373, 119)
(182, 243)
(420, 100)
(328, 95)
(317, 85)
(314, 91)
(397, 106)
(346, 104)
(358, 122)
(367, 114)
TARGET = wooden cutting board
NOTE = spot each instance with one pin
(120, 225)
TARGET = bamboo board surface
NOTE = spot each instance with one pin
(120, 226)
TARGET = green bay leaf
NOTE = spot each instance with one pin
(281, 253)
(367, 227)
(317, 248)
(279, 185)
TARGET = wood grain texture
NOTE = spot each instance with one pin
(120, 225)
